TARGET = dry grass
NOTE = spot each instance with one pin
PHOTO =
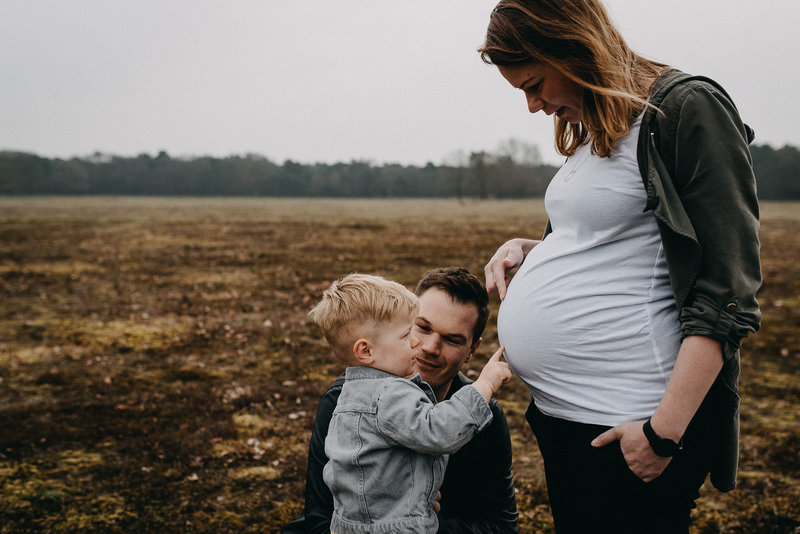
(157, 372)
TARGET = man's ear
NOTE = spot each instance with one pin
(473, 349)
(362, 350)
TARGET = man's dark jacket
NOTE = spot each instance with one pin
(478, 489)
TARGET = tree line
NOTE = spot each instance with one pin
(514, 171)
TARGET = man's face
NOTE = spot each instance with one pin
(441, 338)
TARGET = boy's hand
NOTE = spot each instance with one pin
(494, 374)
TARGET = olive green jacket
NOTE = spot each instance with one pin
(695, 163)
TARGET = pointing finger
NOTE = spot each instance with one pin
(497, 355)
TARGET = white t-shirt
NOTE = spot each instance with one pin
(589, 321)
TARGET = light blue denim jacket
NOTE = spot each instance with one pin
(386, 447)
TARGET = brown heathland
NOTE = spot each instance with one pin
(158, 373)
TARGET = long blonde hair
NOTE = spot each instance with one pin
(577, 39)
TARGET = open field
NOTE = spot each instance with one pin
(158, 374)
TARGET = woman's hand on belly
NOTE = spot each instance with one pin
(636, 449)
(510, 255)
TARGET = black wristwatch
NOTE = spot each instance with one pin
(661, 446)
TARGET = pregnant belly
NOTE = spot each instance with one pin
(587, 347)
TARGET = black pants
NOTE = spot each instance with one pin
(592, 490)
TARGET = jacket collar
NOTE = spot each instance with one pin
(370, 373)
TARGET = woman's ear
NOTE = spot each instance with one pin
(362, 350)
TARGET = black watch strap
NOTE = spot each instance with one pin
(661, 446)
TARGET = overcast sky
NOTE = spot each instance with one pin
(336, 80)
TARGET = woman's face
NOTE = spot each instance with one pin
(546, 90)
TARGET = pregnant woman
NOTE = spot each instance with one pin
(625, 320)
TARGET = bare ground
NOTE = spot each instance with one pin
(158, 374)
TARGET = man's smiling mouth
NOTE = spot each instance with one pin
(424, 363)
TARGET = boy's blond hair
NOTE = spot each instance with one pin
(354, 304)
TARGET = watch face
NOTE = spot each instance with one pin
(665, 447)
(661, 446)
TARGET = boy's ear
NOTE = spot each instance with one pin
(362, 352)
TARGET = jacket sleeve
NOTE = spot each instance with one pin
(318, 509)
(715, 181)
(407, 417)
(478, 490)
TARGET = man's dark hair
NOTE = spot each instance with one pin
(463, 287)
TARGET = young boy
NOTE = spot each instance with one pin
(388, 438)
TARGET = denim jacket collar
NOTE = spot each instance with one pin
(362, 372)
